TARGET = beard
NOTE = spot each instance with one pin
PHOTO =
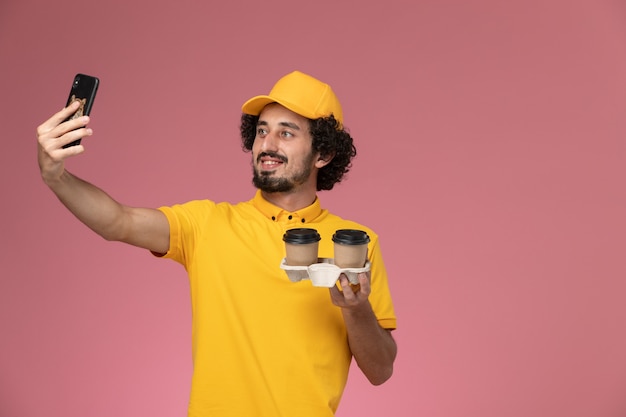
(267, 181)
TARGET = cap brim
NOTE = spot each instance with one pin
(255, 105)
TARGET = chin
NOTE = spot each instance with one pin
(272, 185)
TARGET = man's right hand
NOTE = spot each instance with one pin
(52, 135)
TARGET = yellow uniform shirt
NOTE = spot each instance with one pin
(263, 345)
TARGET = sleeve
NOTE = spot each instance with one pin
(176, 250)
(380, 296)
(187, 221)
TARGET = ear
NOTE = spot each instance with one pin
(323, 160)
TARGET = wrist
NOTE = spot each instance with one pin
(361, 311)
(54, 179)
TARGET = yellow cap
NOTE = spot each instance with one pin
(300, 93)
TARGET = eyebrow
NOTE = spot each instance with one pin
(285, 124)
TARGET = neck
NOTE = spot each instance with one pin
(291, 201)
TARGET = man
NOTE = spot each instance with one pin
(262, 345)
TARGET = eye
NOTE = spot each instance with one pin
(287, 134)
(261, 131)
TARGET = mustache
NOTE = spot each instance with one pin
(271, 155)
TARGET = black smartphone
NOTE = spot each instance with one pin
(84, 89)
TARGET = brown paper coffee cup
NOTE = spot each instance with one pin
(301, 246)
(350, 248)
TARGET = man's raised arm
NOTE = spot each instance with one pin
(142, 227)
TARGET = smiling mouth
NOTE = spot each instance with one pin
(270, 166)
(270, 162)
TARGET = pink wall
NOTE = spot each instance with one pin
(491, 142)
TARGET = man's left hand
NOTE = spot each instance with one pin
(351, 296)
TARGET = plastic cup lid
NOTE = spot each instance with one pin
(351, 237)
(301, 236)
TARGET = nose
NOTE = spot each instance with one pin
(270, 142)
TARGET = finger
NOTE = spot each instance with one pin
(72, 129)
(365, 283)
(337, 296)
(348, 292)
(57, 118)
(73, 135)
(335, 293)
(52, 145)
(72, 150)
(70, 125)
(58, 154)
(77, 125)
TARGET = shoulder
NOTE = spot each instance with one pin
(206, 208)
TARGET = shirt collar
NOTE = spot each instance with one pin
(277, 214)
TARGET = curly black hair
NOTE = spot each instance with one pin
(329, 139)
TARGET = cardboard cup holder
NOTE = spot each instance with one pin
(324, 273)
